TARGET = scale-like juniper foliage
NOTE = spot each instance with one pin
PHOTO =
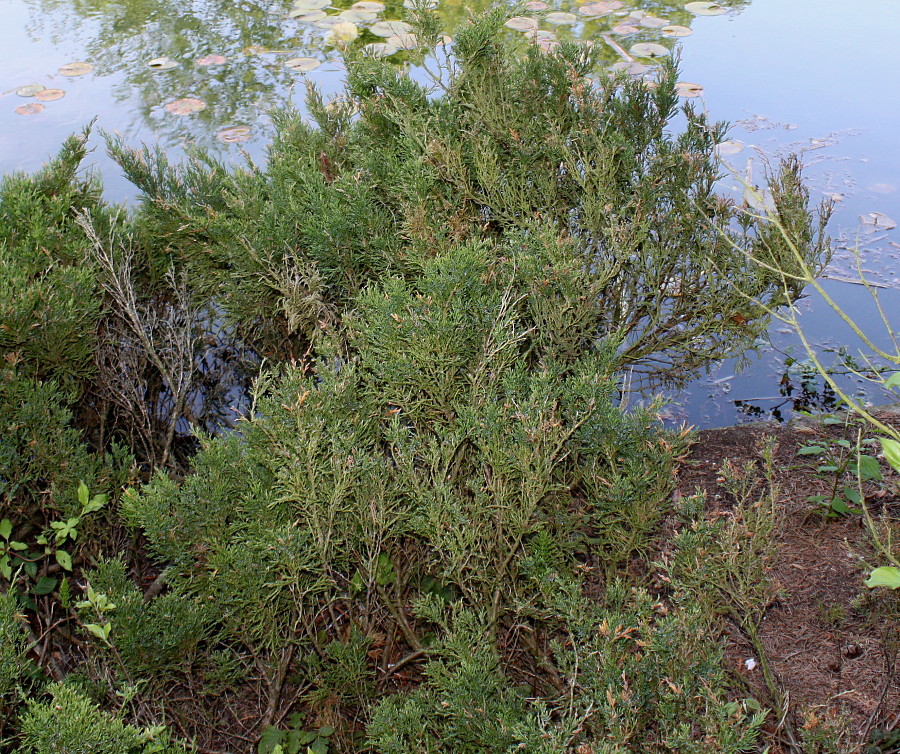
(510, 143)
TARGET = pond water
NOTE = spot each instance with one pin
(813, 76)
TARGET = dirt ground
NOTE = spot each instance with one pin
(831, 642)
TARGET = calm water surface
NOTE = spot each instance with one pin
(815, 76)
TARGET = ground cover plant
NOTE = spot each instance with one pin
(433, 527)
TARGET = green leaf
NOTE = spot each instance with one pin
(96, 503)
(892, 381)
(83, 494)
(325, 731)
(827, 468)
(867, 467)
(270, 739)
(45, 585)
(5, 528)
(5, 568)
(852, 495)
(64, 559)
(843, 443)
(101, 632)
(839, 505)
(891, 450)
(18, 546)
(887, 576)
(831, 420)
(811, 450)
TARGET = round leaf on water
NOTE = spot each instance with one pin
(558, 18)
(185, 106)
(535, 5)
(546, 44)
(329, 22)
(379, 50)
(311, 4)
(210, 60)
(632, 69)
(601, 8)
(76, 69)
(704, 9)
(652, 22)
(48, 95)
(162, 64)
(357, 17)
(343, 33)
(676, 31)
(390, 28)
(30, 91)
(234, 135)
(303, 65)
(624, 29)
(540, 34)
(687, 89)
(307, 16)
(403, 41)
(32, 108)
(367, 6)
(882, 188)
(729, 147)
(521, 23)
(648, 50)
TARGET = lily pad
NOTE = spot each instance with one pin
(329, 22)
(624, 30)
(546, 44)
(307, 16)
(875, 221)
(211, 60)
(49, 95)
(32, 108)
(357, 17)
(559, 18)
(674, 30)
(390, 28)
(536, 5)
(76, 69)
(729, 147)
(704, 8)
(538, 34)
(687, 89)
(311, 4)
(632, 69)
(652, 22)
(186, 106)
(593, 10)
(303, 65)
(403, 41)
(882, 188)
(30, 91)
(162, 64)
(368, 6)
(648, 50)
(234, 135)
(379, 50)
(343, 33)
(521, 23)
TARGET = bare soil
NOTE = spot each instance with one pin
(831, 643)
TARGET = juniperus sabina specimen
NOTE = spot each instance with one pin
(418, 536)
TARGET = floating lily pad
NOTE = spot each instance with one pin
(536, 5)
(30, 91)
(186, 106)
(559, 18)
(546, 44)
(632, 69)
(49, 95)
(403, 41)
(538, 34)
(329, 22)
(390, 28)
(729, 147)
(592, 10)
(704, 9)
(521, 23)
(648, 50)
(307, 16)
(882, 188)
(162, 64)
(357, 17)
(311, 4)
(211, 60)
(652, 22)
(624, 30)
(32, 108)
(76, 69)
(343, 33)
(674, 30)
(234, 135)
(379, 50)
(875, 221)
(368, 6)
(687, 89)
(303, 65)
